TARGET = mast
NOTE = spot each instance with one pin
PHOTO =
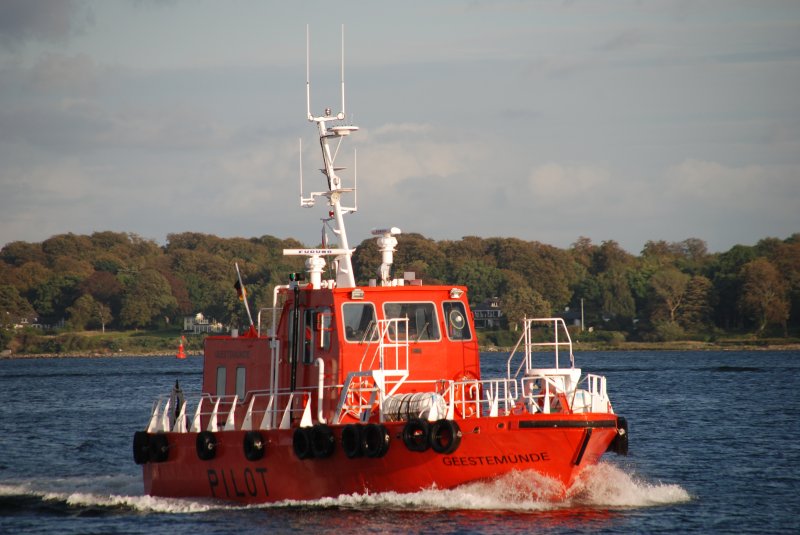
(329, 133)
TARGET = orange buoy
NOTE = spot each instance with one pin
(181, 353)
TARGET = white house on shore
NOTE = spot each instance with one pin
(488, 315)
(198, 324)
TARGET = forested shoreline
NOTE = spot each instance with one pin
(53, 292)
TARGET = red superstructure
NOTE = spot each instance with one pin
(374, 388)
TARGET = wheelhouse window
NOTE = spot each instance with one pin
(241, 375)
(455, 318)
(309, 318)
(423, 323)
(222, 378)
(325, 327)
(359, 321)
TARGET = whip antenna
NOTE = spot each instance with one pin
(342, 73)
(308, 76)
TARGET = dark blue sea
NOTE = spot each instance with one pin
(714, 448)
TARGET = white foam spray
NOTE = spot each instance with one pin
(602, 486)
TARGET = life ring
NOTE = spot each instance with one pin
(141, 447)
(322, 441)
(158, 447)
(351, 441)
(301, 443)
(206, 445)
(254, 446)
(375, 440)
(356, 400)
(445, 436)
(465, 396)
(415, 434)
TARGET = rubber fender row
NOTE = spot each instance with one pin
(155, 447)
(253, 444)
(370, 440)
(442, 436)
(150, 447)
(318, 442)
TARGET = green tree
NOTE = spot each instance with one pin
(13, 307)
(67, 245)
(550, 271)
(27, 277)
(17, 253)
(148, 298)
(669, 286)
(695, 313)
(103, 315)
(726, 274)
(482, 281)
(617, 300)
(520, 300)
(421, 255)
(52, 298)
(81, 312)
(785, 255)
(582, 251)
(764, 294)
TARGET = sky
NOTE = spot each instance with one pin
(542, 120)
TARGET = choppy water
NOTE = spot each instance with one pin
(714, 449)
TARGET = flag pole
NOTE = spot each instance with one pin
(244, 293)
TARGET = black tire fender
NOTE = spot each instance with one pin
(301, 443)
(323, 442)
(351, 441)
(375, 440)
(445, 436)
(141, 447)
(158, 447)
(620, 443)
(254, 446)
(415, 434)
(206, 445)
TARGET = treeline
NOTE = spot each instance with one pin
(669, 291)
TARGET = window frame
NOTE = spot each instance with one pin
(446, 316)
(362, 337)
(414, 339)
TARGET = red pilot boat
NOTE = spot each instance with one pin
(356, 389)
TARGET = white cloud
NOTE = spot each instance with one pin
(632, 124)
(740, 188)
(393, 129)
(60, 73)
(567, 183)
(395, 153)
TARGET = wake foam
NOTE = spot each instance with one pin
(607, 486)
(112, 493)
(603, 486)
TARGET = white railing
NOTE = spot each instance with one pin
(391, 335)
(365, 392)
(540, 390)
(529, 346)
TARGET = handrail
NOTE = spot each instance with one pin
(366, 389)
(470, 399)
(382, 327)
(526, 340)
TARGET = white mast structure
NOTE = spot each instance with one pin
(343, 262)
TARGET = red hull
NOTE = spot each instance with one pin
(558, 446)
